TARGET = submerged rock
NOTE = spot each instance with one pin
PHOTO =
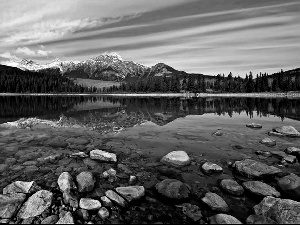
(254, 125)
(85, 181)
(210, 168)
(223, 219)
(290, 185)
(275, 211)
(36, 204)
(260, 188)
(284, 156)
(21, 187)
(176, 158)
(131, 192)
(65, 182)
(172, 188)
(103, 156)
(232, 187)
(268, 142)
(293, 151)
(289, 131)
(10, 203)
(191, 211)
(215, 202)
(253, 169)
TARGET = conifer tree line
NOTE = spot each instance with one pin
(18, 81)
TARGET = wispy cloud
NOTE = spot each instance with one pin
(29, 52)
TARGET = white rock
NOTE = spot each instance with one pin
(223, 219)
(65, 182)
(103, 156)
(10, 203)
(21, 187)
(113, 196)
(66, 219)
(132, 179)
(89, 204)
(103, 213)
(106, 201)
(109, 173)
(209, 167)
(131, 192)
(176, 158)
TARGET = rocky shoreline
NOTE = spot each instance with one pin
(78, 179)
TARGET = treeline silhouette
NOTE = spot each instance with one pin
(13, 80)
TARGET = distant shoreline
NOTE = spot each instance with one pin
(186, 95)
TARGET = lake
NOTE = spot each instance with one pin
(141, 131)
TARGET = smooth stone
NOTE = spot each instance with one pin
(65, 182)
(132, 180)
(223, 219)
(290, 185)
(103, 213)
(79, 155)
(131, 192)
(293, 151)
(260, 188)
(191, 211)
(176, 158)
(287, 131)
(70, 199)
(89, 204)
(210, 168)
(106, 201)
(36, 204)
(254, 169)
(10, 203)
(172, 188)
(268, 142)
(113, 196)
(21, 187)
(232, 187)
(3, 167)
(103, 156)
(215, 202)
(85, 181)
(66, 219)
(50, 219)
(275, 211)
(109, 173)
(254, 125)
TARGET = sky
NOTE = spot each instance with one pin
(197, 36)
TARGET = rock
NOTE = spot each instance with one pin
(113, 196)
(210, 168)
(3, 167)
(106, 202)
(215, 202)
(109, 173)
(70, 199)
(223, 219)
(232, 187)
(132, 180)
(218, 133)
(131, 192)
(21, 187)
(66, 219)
(36, 204)
(268, 142)
(290, 185)
(172, 188)
(124, 168)
(103, 213)
(65, 182)
(287, 131)
(89, 204)
(275, 211)
(103, 156)
(293, 151)
(260, 188)
(10, 161)
(91, 164)
(191, 211)
(79, 155)
(57, 142)
(176, 158)
(253, 169)
(254, 125)
(85, 181)
(83, 214)
(10, 203)
(284, 156)
(50, 219)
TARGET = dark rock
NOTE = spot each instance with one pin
(215, 202)
(50, 219)
(83, 214)
(260, 188)
(172, 188)
(254, 125)
(191, 211)
(268, 142)
(232, 187)
(290, 185)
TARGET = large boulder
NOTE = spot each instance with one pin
(223, 219)
(290, 185)
(36, 204)
(253, 169)
(176, 158)
(275, 211)
(232, 187)
(65, 182)
(172, 188)
(215, 202)
(289, 131)
(210, 168)
(131, 192)
(10, 203)
(85, 181)
(21, 187)
(260, 188)
(103, 156)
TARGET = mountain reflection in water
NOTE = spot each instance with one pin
(128, 112)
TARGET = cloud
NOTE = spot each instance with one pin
(8, 55)
(28, 52)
